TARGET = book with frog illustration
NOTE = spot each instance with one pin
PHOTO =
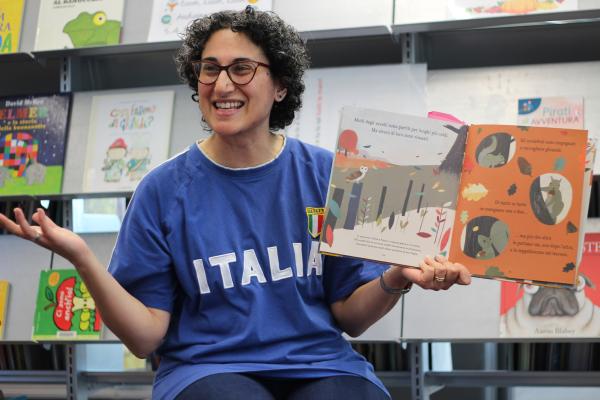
(506, 201)
(66, 24)
(65, 310)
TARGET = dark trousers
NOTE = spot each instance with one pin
(231, 386)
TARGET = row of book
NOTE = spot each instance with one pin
(71, 24)
(128, 135)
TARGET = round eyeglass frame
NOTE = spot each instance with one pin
(197, 66)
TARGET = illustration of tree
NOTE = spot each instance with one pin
(347, 142)
(353, 205)
(407, 197)
(332, 215)
(365, 209)
(421, 195)
(381, 203)
(453, 162)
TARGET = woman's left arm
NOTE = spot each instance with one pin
(371, 301)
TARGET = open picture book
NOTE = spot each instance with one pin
(508, 202)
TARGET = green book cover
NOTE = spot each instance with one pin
(64, 308)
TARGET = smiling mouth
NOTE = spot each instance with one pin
(228, 105)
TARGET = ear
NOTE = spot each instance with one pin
(280, 94)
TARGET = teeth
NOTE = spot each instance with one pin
(228, 104)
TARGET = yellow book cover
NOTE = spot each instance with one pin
(4, 286)
(11, 15)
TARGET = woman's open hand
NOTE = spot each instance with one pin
(49, 235)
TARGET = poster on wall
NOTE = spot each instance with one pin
(66, 24)
(128, 136)
(460, 9)
(33, 132)
(11, 15)
(170, 17)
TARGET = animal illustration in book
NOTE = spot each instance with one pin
(33, 133)
(65, 308)
(541, 311)
(93, 29)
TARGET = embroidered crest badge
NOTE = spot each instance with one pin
(315, 220)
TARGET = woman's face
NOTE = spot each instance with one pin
(231, 109)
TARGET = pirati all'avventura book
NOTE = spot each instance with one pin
(64, 308)
(66, 24)
(506, 201)
(33, 137)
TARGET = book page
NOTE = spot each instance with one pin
(529, 311)
(520, 203)
(393, 187)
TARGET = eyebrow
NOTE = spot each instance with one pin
(234, 60)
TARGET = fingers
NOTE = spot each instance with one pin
(441, 274)
(10, 225)
(27, 231)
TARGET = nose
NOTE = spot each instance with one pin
(223, 83)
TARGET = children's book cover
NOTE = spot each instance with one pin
(4, 289)
(488, 8)
(11, 16)
(393, 187)
(171, 17)
(556, 112)
(528, 311)
(64, 308)
(129, 135)
(66, 24)
(33, 137)
(521, 203)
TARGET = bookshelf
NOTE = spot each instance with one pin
(502, 41)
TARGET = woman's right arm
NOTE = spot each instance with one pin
(139, 327)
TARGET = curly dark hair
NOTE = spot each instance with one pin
(285, 50)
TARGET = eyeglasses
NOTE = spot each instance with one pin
(240, 72)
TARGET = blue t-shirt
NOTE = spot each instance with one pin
(228, 253)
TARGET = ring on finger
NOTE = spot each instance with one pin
(37, 237)
(439, 278)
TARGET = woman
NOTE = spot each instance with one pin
(214, 268)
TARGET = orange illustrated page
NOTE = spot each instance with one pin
(520, 203)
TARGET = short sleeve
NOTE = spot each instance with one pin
(141, 261)
(343, 275)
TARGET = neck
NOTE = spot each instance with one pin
(242, 152)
